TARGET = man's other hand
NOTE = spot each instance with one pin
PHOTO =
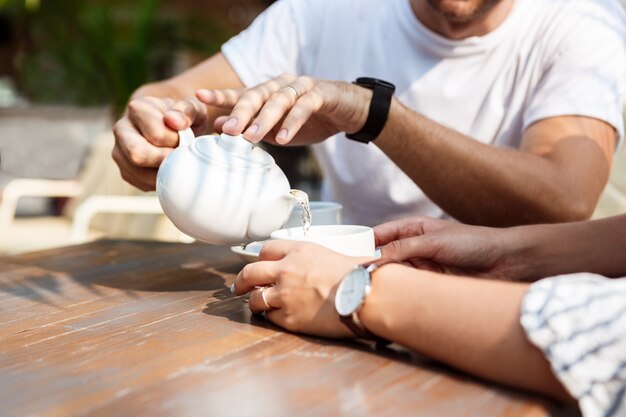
(148, 132)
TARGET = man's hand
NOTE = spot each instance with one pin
(444, 246)
(290, 109)
(148, 132)
(301, 280)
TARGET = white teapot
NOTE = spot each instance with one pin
(223, 190)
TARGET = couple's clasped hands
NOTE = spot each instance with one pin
(284, 110)
(295, 282)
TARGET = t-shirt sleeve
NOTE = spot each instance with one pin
(586, 66)
(579, 322)
(274, 43)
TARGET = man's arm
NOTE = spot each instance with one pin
(556, 176)
(147, 131)
(214, 72)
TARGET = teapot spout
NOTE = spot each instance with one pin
(299, 196)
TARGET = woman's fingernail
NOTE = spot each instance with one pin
(253, 129)
(232, 122)
(232, 288)
(282, 135)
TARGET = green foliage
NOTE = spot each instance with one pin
(97, 52)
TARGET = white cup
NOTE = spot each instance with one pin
(324, 212)
(345, 239)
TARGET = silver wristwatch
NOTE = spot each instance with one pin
(351, 294)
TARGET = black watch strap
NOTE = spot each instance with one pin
(382, 93)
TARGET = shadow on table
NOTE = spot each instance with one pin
(52, 277)
(235, 309)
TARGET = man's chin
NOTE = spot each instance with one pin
(462, 11)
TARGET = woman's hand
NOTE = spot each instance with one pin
(445, 246)
(300, 280)
(292, 110)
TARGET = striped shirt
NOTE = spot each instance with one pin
(579, 322)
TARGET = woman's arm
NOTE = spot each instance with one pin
(520, 253)
(473, 325)
(597, 246)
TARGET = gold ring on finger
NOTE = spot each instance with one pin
(262, 291)
(293, 90)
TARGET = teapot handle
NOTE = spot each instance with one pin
(186, 137)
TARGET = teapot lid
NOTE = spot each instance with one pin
(232, 151)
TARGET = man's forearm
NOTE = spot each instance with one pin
(161, 89)
(470, 324)
(481, 184)
(597, 246)
(215, 72)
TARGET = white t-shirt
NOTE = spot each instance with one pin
(548, 58)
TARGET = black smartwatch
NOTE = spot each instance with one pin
(379, 109)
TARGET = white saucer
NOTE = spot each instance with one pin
(251, 252)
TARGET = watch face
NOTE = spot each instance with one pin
(351, 291)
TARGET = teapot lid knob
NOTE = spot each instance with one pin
(234, 144)
(233, 151)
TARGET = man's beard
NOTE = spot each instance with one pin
(455, 16)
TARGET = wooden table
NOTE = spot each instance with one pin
(119, 328)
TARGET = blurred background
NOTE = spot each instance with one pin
(67, 69)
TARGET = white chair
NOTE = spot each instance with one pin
(87, 210)
(101, 205)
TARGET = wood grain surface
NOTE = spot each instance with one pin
(121, 328)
